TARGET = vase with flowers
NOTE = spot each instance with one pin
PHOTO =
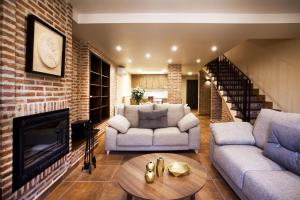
(137, 95)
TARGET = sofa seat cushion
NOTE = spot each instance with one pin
(170, 136)
(271, 185)
(236, 160)
(136, 137)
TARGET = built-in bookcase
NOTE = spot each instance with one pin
(99, 89)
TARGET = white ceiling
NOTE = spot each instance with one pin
(106, 28)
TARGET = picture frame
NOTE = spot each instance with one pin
(45, 48)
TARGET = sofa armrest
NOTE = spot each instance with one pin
(233, 133)
(194, 138)
(110, 138)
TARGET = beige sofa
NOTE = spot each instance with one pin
(236, 150)
(161, 139)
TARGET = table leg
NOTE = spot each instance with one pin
(193, 197)
(129, 196)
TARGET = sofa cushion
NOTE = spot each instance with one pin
(170, 136)
(119, 109)
(271, 185)
(131, 112)
(153, 119)
(263, 122)
(175, 112)
(120, 123)
(283, 147)
(136, 137)
(187, 109)
(187, 122)
(232, 133)
(236, 160)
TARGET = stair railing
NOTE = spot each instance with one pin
(240, 87)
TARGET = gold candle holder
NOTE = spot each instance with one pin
(149, 176)
(160, 166)
(150, 166)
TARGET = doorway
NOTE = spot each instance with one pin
(192, 93)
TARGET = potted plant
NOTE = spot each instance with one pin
(137, 95)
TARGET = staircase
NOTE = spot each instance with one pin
(238, 88)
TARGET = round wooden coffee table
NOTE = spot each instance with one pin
(131, 177)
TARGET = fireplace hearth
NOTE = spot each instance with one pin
(38, 141)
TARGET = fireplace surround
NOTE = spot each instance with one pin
(38, 141)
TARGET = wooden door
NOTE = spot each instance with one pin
(192, 93)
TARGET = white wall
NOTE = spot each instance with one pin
(274, 67)
(123, 87)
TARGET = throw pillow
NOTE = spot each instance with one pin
(187, 122)
(120, 123)
(153, 119)
(131, 113)
(283, 147)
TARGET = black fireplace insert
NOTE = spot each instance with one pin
(38, 141)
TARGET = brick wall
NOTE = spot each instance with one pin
(216, 105)
(84, 72)
(219, 109)
(174, 83)
(204, 94)
(75, 80)
(25, 93)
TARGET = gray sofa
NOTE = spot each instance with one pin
(236, 152)
(161, 139)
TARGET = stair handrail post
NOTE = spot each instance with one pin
(218, 73)
(245, 91)
(249, 99)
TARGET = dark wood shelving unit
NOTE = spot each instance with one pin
(99, 89)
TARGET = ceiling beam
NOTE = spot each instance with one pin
(203, 18)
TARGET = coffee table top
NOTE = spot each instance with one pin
(131, 177)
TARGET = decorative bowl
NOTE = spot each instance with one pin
(178, 168)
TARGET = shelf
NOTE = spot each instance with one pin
(99, 89)
(93, 72)
(96, 85)
(92, 109)
(95, 96)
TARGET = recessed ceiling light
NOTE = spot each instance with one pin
(198, 60)
(214, 48)
(129, 60)
(190, 73)
(118, 48)
(170, 60)
(148, 55)
(174, 48)
(164, 71)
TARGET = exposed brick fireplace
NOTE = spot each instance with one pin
(38, 141)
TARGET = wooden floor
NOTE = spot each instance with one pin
(101, 184)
